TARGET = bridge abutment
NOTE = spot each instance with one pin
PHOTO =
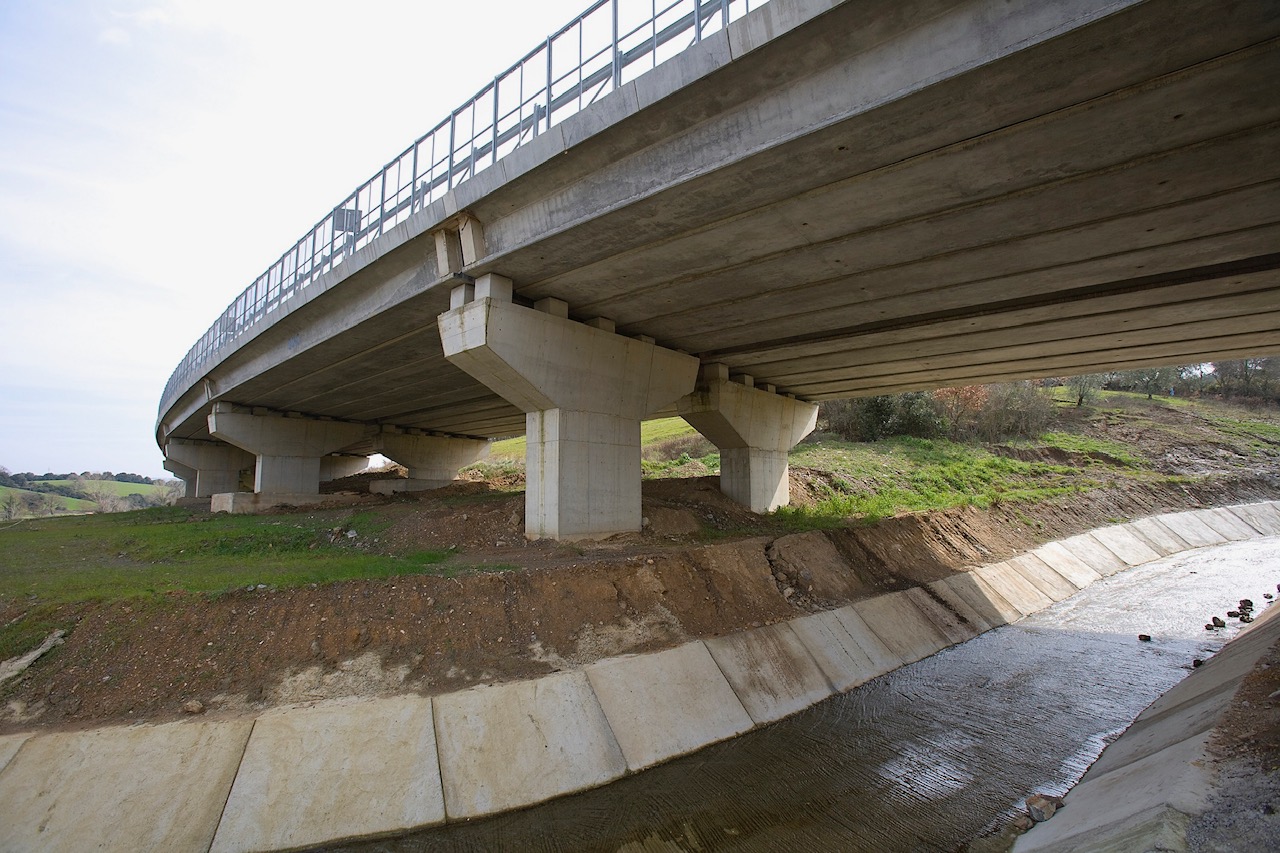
(754, 428)
(584, 390)
(433, 460)
(288, 451)
(217, 467)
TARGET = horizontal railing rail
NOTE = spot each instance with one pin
(605, 47)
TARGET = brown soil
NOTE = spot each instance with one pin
(703, 567)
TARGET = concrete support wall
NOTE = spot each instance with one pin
(185, 474)
(433, 460)
(754, 429)
(337, 467)
(288, 449)
(217, 466)
(585, 390)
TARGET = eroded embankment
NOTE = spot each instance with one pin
(246, 651)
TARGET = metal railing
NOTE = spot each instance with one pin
(608, 45)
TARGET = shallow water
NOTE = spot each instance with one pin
(924, 758)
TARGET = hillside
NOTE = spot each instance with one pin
(435, 591)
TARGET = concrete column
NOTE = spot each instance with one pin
(585, 391)
(288, 449)
(217, 465)
(433, 460)
(754, 429)
(185, 474)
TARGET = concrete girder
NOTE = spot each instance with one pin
(433, 460)
(217, 466)
(184, 473)
(288, 449)
(754, 429)
(584, 391)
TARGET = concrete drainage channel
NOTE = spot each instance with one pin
(308, 776)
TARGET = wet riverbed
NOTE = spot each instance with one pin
(924, 758)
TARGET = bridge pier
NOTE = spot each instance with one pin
(754, 429)
(185, 474)
(217, 466)
(584, 390)
(433, 460)
(289, 451)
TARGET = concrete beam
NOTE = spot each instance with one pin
(754, 429)
(217, 466)
(433, 460)
(184, 473)
(288, 449)
(584, 391)
(337, 467)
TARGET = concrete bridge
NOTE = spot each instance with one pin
(811, 199)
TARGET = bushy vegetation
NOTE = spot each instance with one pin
(26, 494)
(979, 412)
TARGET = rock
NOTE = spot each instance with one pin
(1197, 663)
(1232, 614)
(1246, 618)
(788, 592)
(1144, 638)
(1246, 604)
(1218, 623)
(1268, 596)
(193, 706)
(1022, 822)
(645, 522)
(1042, 807)
(1209, 627)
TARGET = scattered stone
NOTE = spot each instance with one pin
(1144, 638)
(1197, 663)
(1218, 622)
(1233, 614)
(1246, 618)
(1208, 626)
(1268, 596)
(788, 592)
(351, 534)
(1246, 604)
(1042, 807)
(645, 522)
(1022, 822)
(193, 706)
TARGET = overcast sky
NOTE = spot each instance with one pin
(155, 157)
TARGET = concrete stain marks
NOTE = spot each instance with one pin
(969, 589)
(1228, 524)
(9, 746)
(982, 620)
(1066, 564)
(901, 626)
(947, 619)
(771, 671)
(1093, 553)
(1125, 545)
(1261, 517)
(517, 744)
(135, 788)
(1043, 577)
(338, 770)
(1021, 593)
(840, 657)
(1192, 529)
(666, 704)
(1158, 537)
(882, 657)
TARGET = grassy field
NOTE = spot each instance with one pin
(64, 503)
(112, 487)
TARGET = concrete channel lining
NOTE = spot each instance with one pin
(1089, 550)
(1228, 524)
(345, 768)
(666, 704)
(1126, 545)
(359, 768)
(1261, 517)
(66, 791)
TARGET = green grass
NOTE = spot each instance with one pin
(650, 432)
(880, 479)
(1075, 443)
(63, 502)
(156, 551)
(111, 487)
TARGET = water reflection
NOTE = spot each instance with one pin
(922, 759)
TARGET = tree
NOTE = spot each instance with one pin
(1150, 379)
(1084, 388)
(11, 507)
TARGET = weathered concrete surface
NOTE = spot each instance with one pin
(338, 770)
(1227, 524)
(882, 656)
(1125, 545)
(955, 628)
(1145, 787)
(1191, 528)
(135, 788)
(554, 740)
(771, 671)
(1261, 517)
(842, 659)
(960, 594)
(9, 745)
(1090, 551)
(901, 626)
(1043, 577)
(666, 704)
(1158, 536)
(1066, 564)
(1022, 594)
